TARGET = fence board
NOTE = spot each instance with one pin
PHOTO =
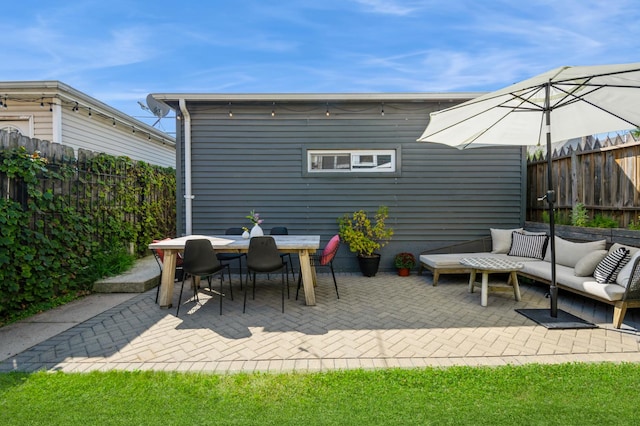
(603, 175)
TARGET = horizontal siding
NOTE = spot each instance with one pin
(96, 134)
(441, 195)
(40, 117)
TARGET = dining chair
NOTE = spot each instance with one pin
(229, 257)
(324, 259)
(158, 254)
(200, 260)
(263, 256)
(283, 230)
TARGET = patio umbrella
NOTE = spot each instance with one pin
(560, 104)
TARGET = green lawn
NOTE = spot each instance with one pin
(567, 394)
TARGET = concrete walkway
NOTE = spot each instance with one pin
(378, 322)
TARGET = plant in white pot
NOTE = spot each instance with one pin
(365, 236)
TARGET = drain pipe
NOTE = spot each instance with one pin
(188, 197)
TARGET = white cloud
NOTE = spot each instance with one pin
(387, 7)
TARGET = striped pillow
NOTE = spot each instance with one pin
(528, 245)
(608, 269)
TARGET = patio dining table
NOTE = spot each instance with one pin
(303, 245)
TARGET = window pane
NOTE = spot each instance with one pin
(355, 161)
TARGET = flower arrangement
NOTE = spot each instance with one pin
(254, 218)
(404, 261)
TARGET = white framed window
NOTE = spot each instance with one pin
(21, 124)
(346, 161)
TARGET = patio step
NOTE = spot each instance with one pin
(144, 275)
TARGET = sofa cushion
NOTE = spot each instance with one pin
(608, 269)
(569, 253)
(588, 264)
(446, 261)
(528, 245)
(501, 240)
(566, 278)
(625, 273)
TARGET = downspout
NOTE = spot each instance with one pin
(56, 121)
(188, 197)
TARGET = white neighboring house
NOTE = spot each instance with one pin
(56, 112)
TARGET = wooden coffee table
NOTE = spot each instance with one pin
(492, 265)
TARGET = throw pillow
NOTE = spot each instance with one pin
(625, 273)
(608, 269)
(588, 264)
(501, 240)
(524, 245)
(616, 246)
(568, 253)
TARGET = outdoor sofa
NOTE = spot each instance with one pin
(610, 275)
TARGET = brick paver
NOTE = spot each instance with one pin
(379, 322)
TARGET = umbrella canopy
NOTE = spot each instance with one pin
(563, 103)
(581, 101)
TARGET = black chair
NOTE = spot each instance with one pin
(324, 259)
(263, 256)
(200, 260)
(158, 254)
(229, 257)
(282, 230)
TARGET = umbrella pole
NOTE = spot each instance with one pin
(551, 198)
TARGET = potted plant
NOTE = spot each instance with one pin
(404, 262)
(365, 236)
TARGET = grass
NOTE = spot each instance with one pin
(566, 394)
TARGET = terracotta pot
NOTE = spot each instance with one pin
(404, 272)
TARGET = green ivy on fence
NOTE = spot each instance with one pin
(62, 228)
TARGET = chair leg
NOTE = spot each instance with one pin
(287, 269)
(335, 283)
(230, 283)
(246, 289)
(299, 283)
(282, 273)
(180, 297)
(221, 289)
(244, 305)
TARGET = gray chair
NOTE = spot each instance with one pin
(282, 230)
(263, 257)
(229, 257)
(200, 260)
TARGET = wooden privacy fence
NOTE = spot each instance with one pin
(103, 187)
(602, 175)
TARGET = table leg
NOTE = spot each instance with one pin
(485, 289)
(472, 280)
(167, 278)
(307, 278)
(516, 286)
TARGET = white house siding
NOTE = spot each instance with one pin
(57, 122)
(40, 118)
(439, 196)
(98, 134)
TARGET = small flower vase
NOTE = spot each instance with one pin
(256, 231)
(245, 235)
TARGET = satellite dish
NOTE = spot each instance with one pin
(159, 109)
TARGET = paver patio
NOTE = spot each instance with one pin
(382, 321)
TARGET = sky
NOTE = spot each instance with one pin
(119, 51)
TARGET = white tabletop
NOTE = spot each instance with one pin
(283, 242)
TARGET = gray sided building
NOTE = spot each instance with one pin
(304, 160)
